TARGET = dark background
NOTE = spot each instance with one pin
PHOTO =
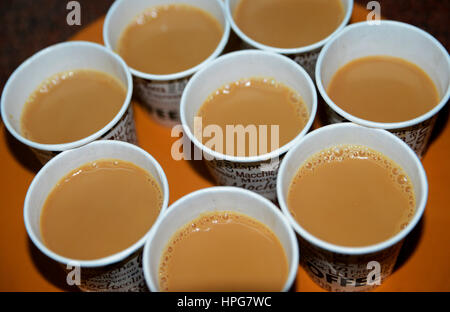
(27, 26)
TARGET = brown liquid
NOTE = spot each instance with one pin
(351, 196)
(169, 39)
(71, 106)
(258, 102)
(223, 251)
(100, 209)
(288, 23)
(383, 89)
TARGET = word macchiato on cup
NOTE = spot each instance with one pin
(296, 28)
(68, 95)
(92, 208)
(164, 42)
(352, 194)
(391, 76)
(221, 239)
(243, 112)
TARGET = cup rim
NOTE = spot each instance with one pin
(174, 76)
(373, 124)
(105, 261)
(66, 146)
(298, 50)
(252, 159)
(177, 206)
(312, 239)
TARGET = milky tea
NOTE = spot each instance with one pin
(383, 89)
(288, 24)
(168, 39)
(254, 102)
(351, 196)
(71, 106)
(100, 209)
(223, 251)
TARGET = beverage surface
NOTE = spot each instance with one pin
(223, 251)
(351, 196)
(72, 105)
(288, 24)
(254, 102)
(99, 209)
(383, 89)
(169, 39)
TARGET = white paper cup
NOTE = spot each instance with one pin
(215, 199)
(121, 271)
(160, 94)
(53, 60)
(334, 267)
(256, 173)
(305, 56)
(392, 39)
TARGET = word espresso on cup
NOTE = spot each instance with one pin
(390, 76)
(243, 112)
(352, 194)
(93, 207)
(296, 28)
(68, 95)
(221, 239)
(164, 42)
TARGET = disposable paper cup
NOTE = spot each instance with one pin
(215, 199)
(305, 56)
(121, 271)
(53, 60)
(256, 173)
(392, 39)
(338, 268)
(160, 93)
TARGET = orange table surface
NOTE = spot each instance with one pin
(423, 265)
